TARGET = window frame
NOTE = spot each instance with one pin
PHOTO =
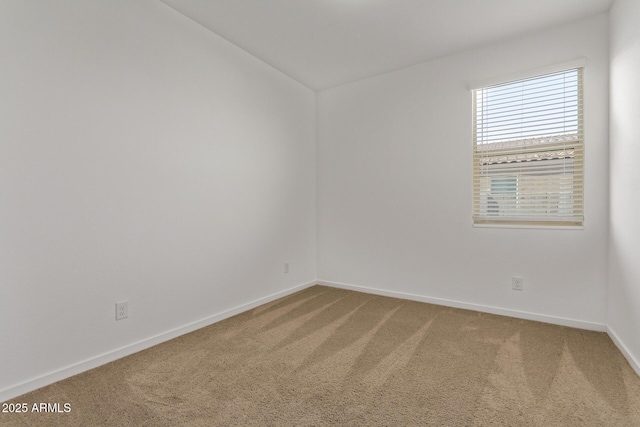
(552, 221)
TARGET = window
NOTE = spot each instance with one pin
(528, 151)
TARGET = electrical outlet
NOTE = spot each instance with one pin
(517, 283)
(122, 310)
(286, 267)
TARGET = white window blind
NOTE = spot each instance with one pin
(529, 151)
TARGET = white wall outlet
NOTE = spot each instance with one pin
(517, 283)
(286, 267)
(122, 310)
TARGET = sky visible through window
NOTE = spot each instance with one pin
(538, 107)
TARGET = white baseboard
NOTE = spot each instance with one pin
(91, 363)
(573, 323)
(76, 368)
(635, 364)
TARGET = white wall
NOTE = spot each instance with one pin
(624, 242)
(394, 188)
(142, 158)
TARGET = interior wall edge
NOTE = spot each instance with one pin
(555, 320)
(635, 364)
(94, 362)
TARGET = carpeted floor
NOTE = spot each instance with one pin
(326, 356)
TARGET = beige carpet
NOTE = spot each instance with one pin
(326, 356)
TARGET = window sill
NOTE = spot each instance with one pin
(527, 226)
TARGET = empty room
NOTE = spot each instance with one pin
(321, 212)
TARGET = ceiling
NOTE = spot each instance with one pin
(324, 43)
